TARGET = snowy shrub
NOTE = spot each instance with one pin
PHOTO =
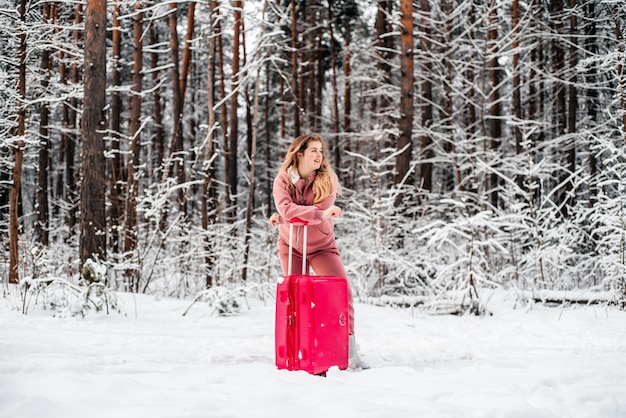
(225, 301)
(93, 271)
(64, 299)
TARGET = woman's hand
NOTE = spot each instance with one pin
(274, 219)
(332, 212)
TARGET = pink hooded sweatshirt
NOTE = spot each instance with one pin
(294, 199)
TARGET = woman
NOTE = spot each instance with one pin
(305, 188)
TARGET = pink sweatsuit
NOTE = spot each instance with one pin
(295, 200)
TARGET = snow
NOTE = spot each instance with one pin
(153, 362)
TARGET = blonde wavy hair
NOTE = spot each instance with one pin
(326, 180)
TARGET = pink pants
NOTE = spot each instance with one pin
(324, 263)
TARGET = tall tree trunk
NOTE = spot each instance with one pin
(246, 91)
(533, 82)
(621, 91)
(186, 64)
(348, 179)
(381, 103)
(335, 99)
(132, 225)
(572, 106)
(621, 80)
(496, 107)
(58, 182)
(209, 195)
(159, 135)
(384, 44)
(186, 67)
(559, 118)
(592, 95)
(517, 89)
(452, 176)
(93, 169)
(14, 203)
(42, 207)
(426, 142)
(222, 95)
(193, 121)
(558, 65)
(16, 183)
(5, 191)
(70, 148)
(405, 142)
(250, 205)
(283, 110)
(308, 78)
(472, 184)
(304, 69)
(517, 96)
(294, 69)
(320, 74)
(536, 92)
(178, 160)
(116, 162)
(268, 134)
(251, 187)
(233, 129)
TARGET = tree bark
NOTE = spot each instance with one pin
(294, 69)
(591, 48)
(308, 56)
(186, 64)
(178, 160)
(42, 206)
(495, 105)
(268, 143)
(16, 183)
(384, 44)
(349, 178)
(572, 105)
(283, 110)
(320, 74)
(426, 142)
(233, 129)
(116, 162)
(451, 177)
(14, 201)
(93, 169)
(132, 225)
(335, 99)
(253, 153)
(559, 116)
(159, 135)
(71, 181)
(246, 91)
(472, 183)
(517, 96)
(222, 96)
(209, 195)
(621, 80)
(59, 187)
(405, 141)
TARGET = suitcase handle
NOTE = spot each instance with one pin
(298, 222)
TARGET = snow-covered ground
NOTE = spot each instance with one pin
(154, 362)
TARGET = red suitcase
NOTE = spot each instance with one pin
(311, 319)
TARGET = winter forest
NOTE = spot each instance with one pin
(479, 144)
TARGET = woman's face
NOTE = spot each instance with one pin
(311, 159)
